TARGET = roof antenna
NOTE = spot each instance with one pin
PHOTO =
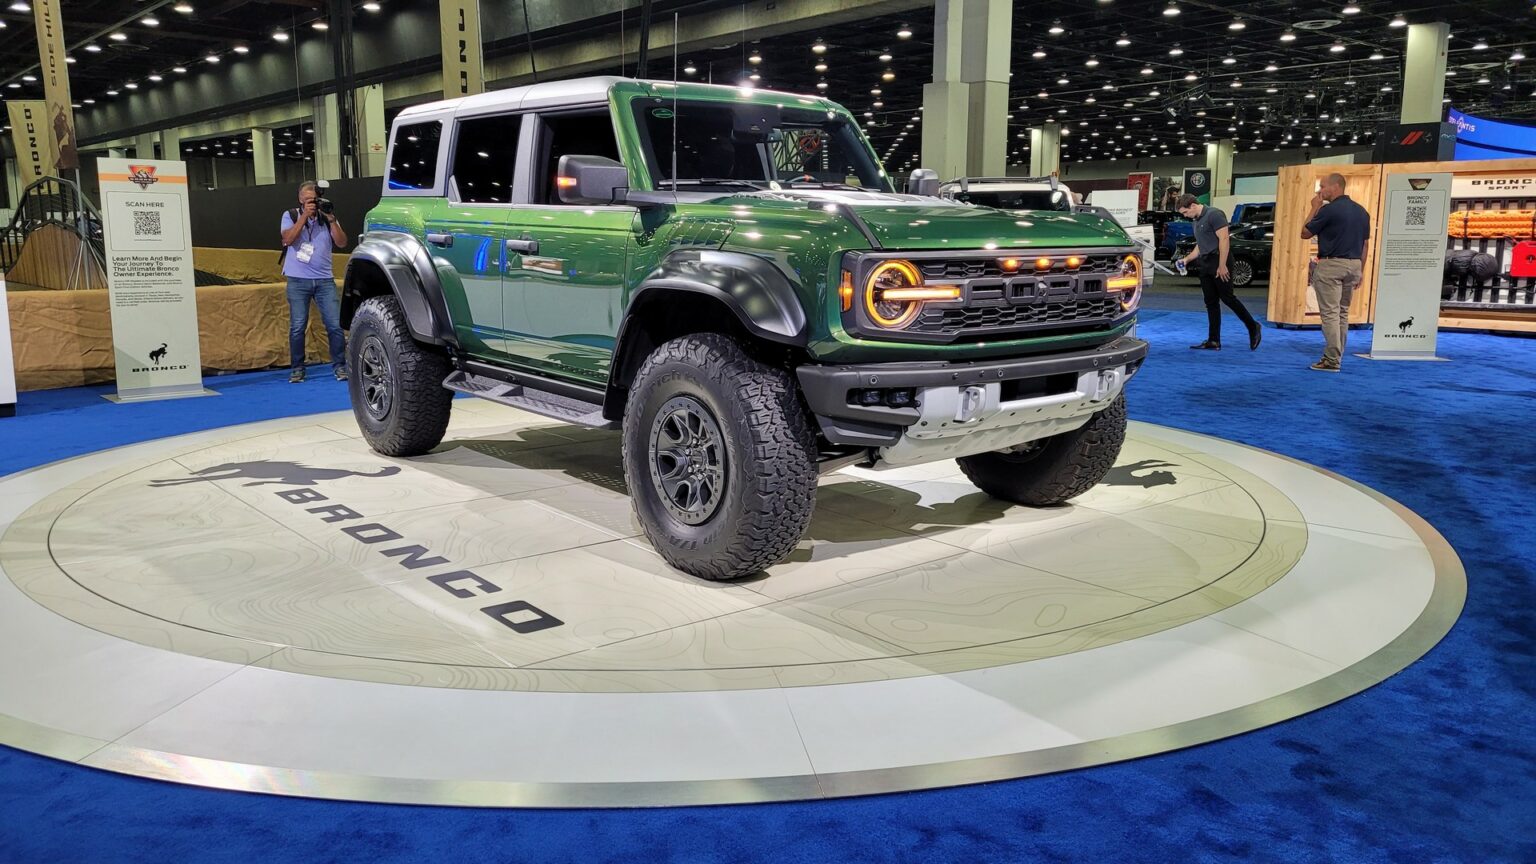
(528, 33)
(674, 107)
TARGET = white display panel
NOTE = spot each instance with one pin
(7, 362)
(1411, 268)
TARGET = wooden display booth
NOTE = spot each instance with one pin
(1291, 300)
(1501, 301)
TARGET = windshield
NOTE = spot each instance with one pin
(1022, 199)
(725, 145)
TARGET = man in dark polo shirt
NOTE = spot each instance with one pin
(1343, 231)
(1211, 247)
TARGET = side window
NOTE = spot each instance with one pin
(484, 156)
(413, 161)
(583, 134)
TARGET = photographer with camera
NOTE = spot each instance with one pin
(311, 232)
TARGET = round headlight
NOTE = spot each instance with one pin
(892, 278)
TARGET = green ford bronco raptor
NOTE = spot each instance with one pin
(730, 277)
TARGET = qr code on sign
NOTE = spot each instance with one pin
(146, 223)
(1415, 216)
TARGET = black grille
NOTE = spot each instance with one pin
(980, 320)
(971, 268)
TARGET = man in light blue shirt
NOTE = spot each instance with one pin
(309, 237)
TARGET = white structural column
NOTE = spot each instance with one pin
(1218, 158)
(988, 34)
(327, 124)
(372, 133)
(1424, 73)
(965, 107)
(1045, 149)
(144, 145)
(261, 155)
(170, 144)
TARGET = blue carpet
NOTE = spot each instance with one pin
(1437, 764)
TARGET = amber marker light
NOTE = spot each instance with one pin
(1042, 263)
(845, 291)
(565, 182)
(1009, 265)
(1074, 262)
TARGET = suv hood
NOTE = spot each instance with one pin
(901, 221)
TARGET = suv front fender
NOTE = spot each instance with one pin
(403, 262)
(758, 293)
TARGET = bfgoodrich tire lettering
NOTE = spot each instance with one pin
(1058, 468)
(768, 489)
(396, 384)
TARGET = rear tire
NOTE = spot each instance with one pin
(1059, 468)
(719, 458)
(396, 385)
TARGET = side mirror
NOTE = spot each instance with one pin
(923, 181)
(591, 180)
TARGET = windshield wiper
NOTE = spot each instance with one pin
(709, 181)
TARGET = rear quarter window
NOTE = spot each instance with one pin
(413, 157)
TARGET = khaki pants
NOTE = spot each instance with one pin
(1334, 280)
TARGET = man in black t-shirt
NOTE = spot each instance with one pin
(1212, 245)
(1343, 231)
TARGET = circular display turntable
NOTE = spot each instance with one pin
(277, 608)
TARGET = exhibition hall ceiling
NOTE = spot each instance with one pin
(1125, 78)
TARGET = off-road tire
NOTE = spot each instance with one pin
(769, 486)
(410, 378)
(1061, 468)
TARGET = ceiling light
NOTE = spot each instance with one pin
(754, 77)
(1191, 77)
(1517, 56)
(1171, 10)
(1386, 88)
(29, 78)
(1483, 80)
(156, 78)
(885, 58)
(1479, 45)
(279, 36)
(1123, 41)
(1271, 68)
(1336, 47)
(904, 33)
(93, 48)
(131, 85)
(755, 59)
(1350, 9)
(1398, 21)
(1091, 62)
(1090, 100)
(1288, 36)
(1235, 83)
(887, 75)
(819, 48)
(1147, 70)
(123, 37)
(821, 85)
(69, 59)
(1228, 60)
(1175, 51)
(1063, 81)
(241, 49)
(212, 58)
(320, 25)
(1377, 55)
(1038, 54)
(1238, 24)
(88, 101)
(111, 92)
(371, 7)
(150, 21)
(183, 8)
(179, 70)
(1056, 29)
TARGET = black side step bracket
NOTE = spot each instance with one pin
(552, 405)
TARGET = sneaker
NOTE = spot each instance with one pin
(341, 374)
(1207, 345)
(1327, 366)
(1255, 336)
(296, 376)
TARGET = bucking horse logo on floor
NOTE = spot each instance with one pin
(268, 472)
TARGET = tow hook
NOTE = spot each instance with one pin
(972, 400)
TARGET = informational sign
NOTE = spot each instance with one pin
(7, 361)
(463, 67)
(1412, 261)
(1197, 182)
(1481, 138)
(59, 114)
(29, 132)
(153, 299)
(1141, 181)
(1513, 185)
(1121, 204)
(1146, 239)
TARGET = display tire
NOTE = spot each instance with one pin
(396, 384)
(768, 469)
(1241, 271)
(1058, 468)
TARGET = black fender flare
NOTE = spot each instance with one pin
(756, 291)
(406, 265)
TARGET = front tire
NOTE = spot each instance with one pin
(396, 385)
(719, 458)
(1056, 469)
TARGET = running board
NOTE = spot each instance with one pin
(551, 405)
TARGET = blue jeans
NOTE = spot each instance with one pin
(323, 292)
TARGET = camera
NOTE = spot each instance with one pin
(324, 207)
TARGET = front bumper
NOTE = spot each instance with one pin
(964, 408)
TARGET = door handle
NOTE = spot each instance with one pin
(526, 246)
(440, 239)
